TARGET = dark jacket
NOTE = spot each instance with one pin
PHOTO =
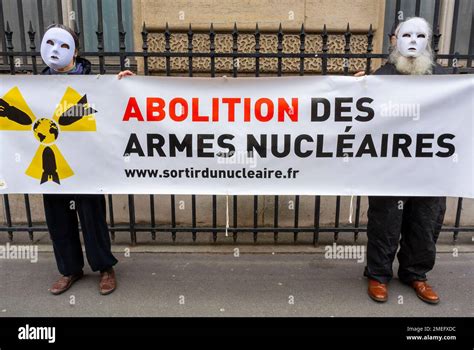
(390, 69)
(83, 67)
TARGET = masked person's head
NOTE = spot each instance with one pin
(412, 53)
(59, 47)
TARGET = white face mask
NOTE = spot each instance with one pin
(412, 37)
(57, 48)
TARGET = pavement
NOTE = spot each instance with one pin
(247, 281)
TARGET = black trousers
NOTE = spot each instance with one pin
(418, 220)
(61, 218)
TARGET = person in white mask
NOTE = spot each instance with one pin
(417, 219)
(59, 51)
(412, 53)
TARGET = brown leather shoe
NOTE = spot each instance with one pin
(107, 282)
(64, 283)
(377, 291)
(425, 292)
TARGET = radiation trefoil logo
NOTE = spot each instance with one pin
(72, 114)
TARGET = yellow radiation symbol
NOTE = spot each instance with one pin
(73, 113)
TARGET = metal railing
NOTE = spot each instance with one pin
(29, 64)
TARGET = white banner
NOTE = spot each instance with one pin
(319, 135)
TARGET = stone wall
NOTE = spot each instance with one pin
(268, 14)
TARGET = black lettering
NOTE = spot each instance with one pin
(133, 146)
(314, 109)
(448, 146)
(367, 109)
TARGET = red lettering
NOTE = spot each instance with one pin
(283, 108)
(247, 109)
(132, 110)
(258, 109)
(155, 105)
(196, 116)
(184, 108)
(231, 102)
(215, 109)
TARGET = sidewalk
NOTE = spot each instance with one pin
(221, 284)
